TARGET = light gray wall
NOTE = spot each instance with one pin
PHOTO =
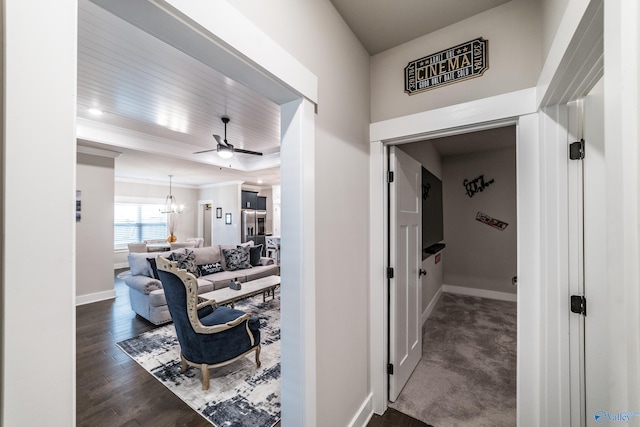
(551, 13)
(515, 61)
(477, 255)
(94, 231)
(227, 197)
(429, 158)
(315, 34)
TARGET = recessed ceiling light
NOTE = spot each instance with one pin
(95, 111)
(259, 181)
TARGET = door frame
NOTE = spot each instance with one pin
(201, 203)
(517, 108)
(573, 65)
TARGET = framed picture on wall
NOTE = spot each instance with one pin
(218, 212)
(227, 219)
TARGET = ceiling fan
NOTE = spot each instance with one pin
(224, 149)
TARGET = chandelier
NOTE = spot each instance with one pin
(171, 206)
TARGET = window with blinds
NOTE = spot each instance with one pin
(137, 222)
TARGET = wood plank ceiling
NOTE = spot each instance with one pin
(144, 85)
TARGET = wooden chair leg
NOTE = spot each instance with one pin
(258, 363)
(205, 376)
(183, 364)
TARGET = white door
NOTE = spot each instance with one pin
(405, 292)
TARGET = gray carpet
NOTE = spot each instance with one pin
(467, 374)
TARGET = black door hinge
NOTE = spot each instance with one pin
(390, 176)
(576, 150)
(390, 369)
(389, 272)
(579, 304)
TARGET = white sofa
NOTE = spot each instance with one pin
(146, 293)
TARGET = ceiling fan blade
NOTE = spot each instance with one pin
(240, 150)
(205, 151)
(220, 141)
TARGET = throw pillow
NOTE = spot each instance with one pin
(255, 252)
(237, 259)
(211, 268)
(154, 267)
(186, 261)
(139, 265)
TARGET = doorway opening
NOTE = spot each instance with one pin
(206, 223)
(468, 307)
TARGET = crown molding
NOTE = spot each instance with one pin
(97, 151)
(153, 182)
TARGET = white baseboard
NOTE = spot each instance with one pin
(118, 265)
(482, 293)
(98, 296)
(427, 312)
(364, 414)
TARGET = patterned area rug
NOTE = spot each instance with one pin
(467, 374)
(240, 394)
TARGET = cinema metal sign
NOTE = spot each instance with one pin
(465, 61)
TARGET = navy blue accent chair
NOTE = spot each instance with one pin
(209, 336)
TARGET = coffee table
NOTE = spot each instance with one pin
(264, 286)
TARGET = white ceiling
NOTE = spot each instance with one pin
(170, 104)
(485, 140)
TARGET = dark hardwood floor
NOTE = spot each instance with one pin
(113, 390)
(393, 418)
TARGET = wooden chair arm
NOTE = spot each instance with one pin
(210, 302)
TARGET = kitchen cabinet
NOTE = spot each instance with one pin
(249, 199)
(262, 203)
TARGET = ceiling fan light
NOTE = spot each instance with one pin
(224, 152)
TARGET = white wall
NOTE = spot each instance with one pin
(94, 231)
(478, 255)
(515, 60)
(227, 197)
(39, 164)
(325, 45)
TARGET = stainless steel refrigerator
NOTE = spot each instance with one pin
(253, 226)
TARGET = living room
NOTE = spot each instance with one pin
(104, 178)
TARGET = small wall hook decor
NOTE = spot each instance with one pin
(476, 185)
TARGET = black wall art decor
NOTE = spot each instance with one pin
(495, 223)
(476, 185)
(462, 62)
